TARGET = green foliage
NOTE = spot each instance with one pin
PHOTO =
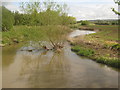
(83, 51)
(75, 25)
(102, 22)
(0, 18)
(35, 33)
(23, 33)
(106, 33)
(116, 46)
(7, 19)
(114, 62)
(50, 13)
(22, 19)
(108, 61)
(85, 22)
(49, 18)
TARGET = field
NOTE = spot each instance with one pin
(106, 32)
(104, 43)
(32, 33)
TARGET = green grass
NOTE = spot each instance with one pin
(107, 36)
(101, 46)
(22, 33)
(82, 51)
(108, 61)
(106, 32)
(34, 33)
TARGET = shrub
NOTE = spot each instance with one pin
(85, 22)
(7, 19)
(116, 46)
(109, 61)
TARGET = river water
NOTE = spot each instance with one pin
(47, 69)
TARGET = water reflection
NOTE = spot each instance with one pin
(42, 67)
(8, 54)
(47, 69)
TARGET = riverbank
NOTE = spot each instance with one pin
(102, 46)
(21, 34)
(31, 33)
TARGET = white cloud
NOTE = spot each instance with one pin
(92, 11)
(83, 10)
(12, 7)
(61, 0)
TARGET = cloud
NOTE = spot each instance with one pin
(61, 0)
(92, 11)
(12, 7)
(83, 9)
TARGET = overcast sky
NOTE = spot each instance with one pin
(81, 9)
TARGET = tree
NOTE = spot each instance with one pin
(85, 22)
(46, 13)
(7, 19)
(117, 2)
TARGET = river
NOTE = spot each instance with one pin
(46, 69)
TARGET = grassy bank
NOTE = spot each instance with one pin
(32, 33)
(92, 54)
(101, 46)
(21, 33)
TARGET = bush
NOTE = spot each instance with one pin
(85, 22)
(7, 19)
(116, 46)
(109, 61)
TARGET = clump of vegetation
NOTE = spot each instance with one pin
(35, 33)
(83, 51)
(112, 45)
(23, 33)
(7, 19)
(116, 46)
(43, 13)
(85, 22)
(114, 62)
(56, 36)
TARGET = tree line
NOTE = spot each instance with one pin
(36, 14)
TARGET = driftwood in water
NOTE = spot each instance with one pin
(45, 47)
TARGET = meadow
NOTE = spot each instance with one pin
(32, 33)
(104, 43)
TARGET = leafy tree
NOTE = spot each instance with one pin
(0, 19)
(85, 22)
(19, 18)
(46, 13)
(7, 19)
(31, 9)
(49, 17)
